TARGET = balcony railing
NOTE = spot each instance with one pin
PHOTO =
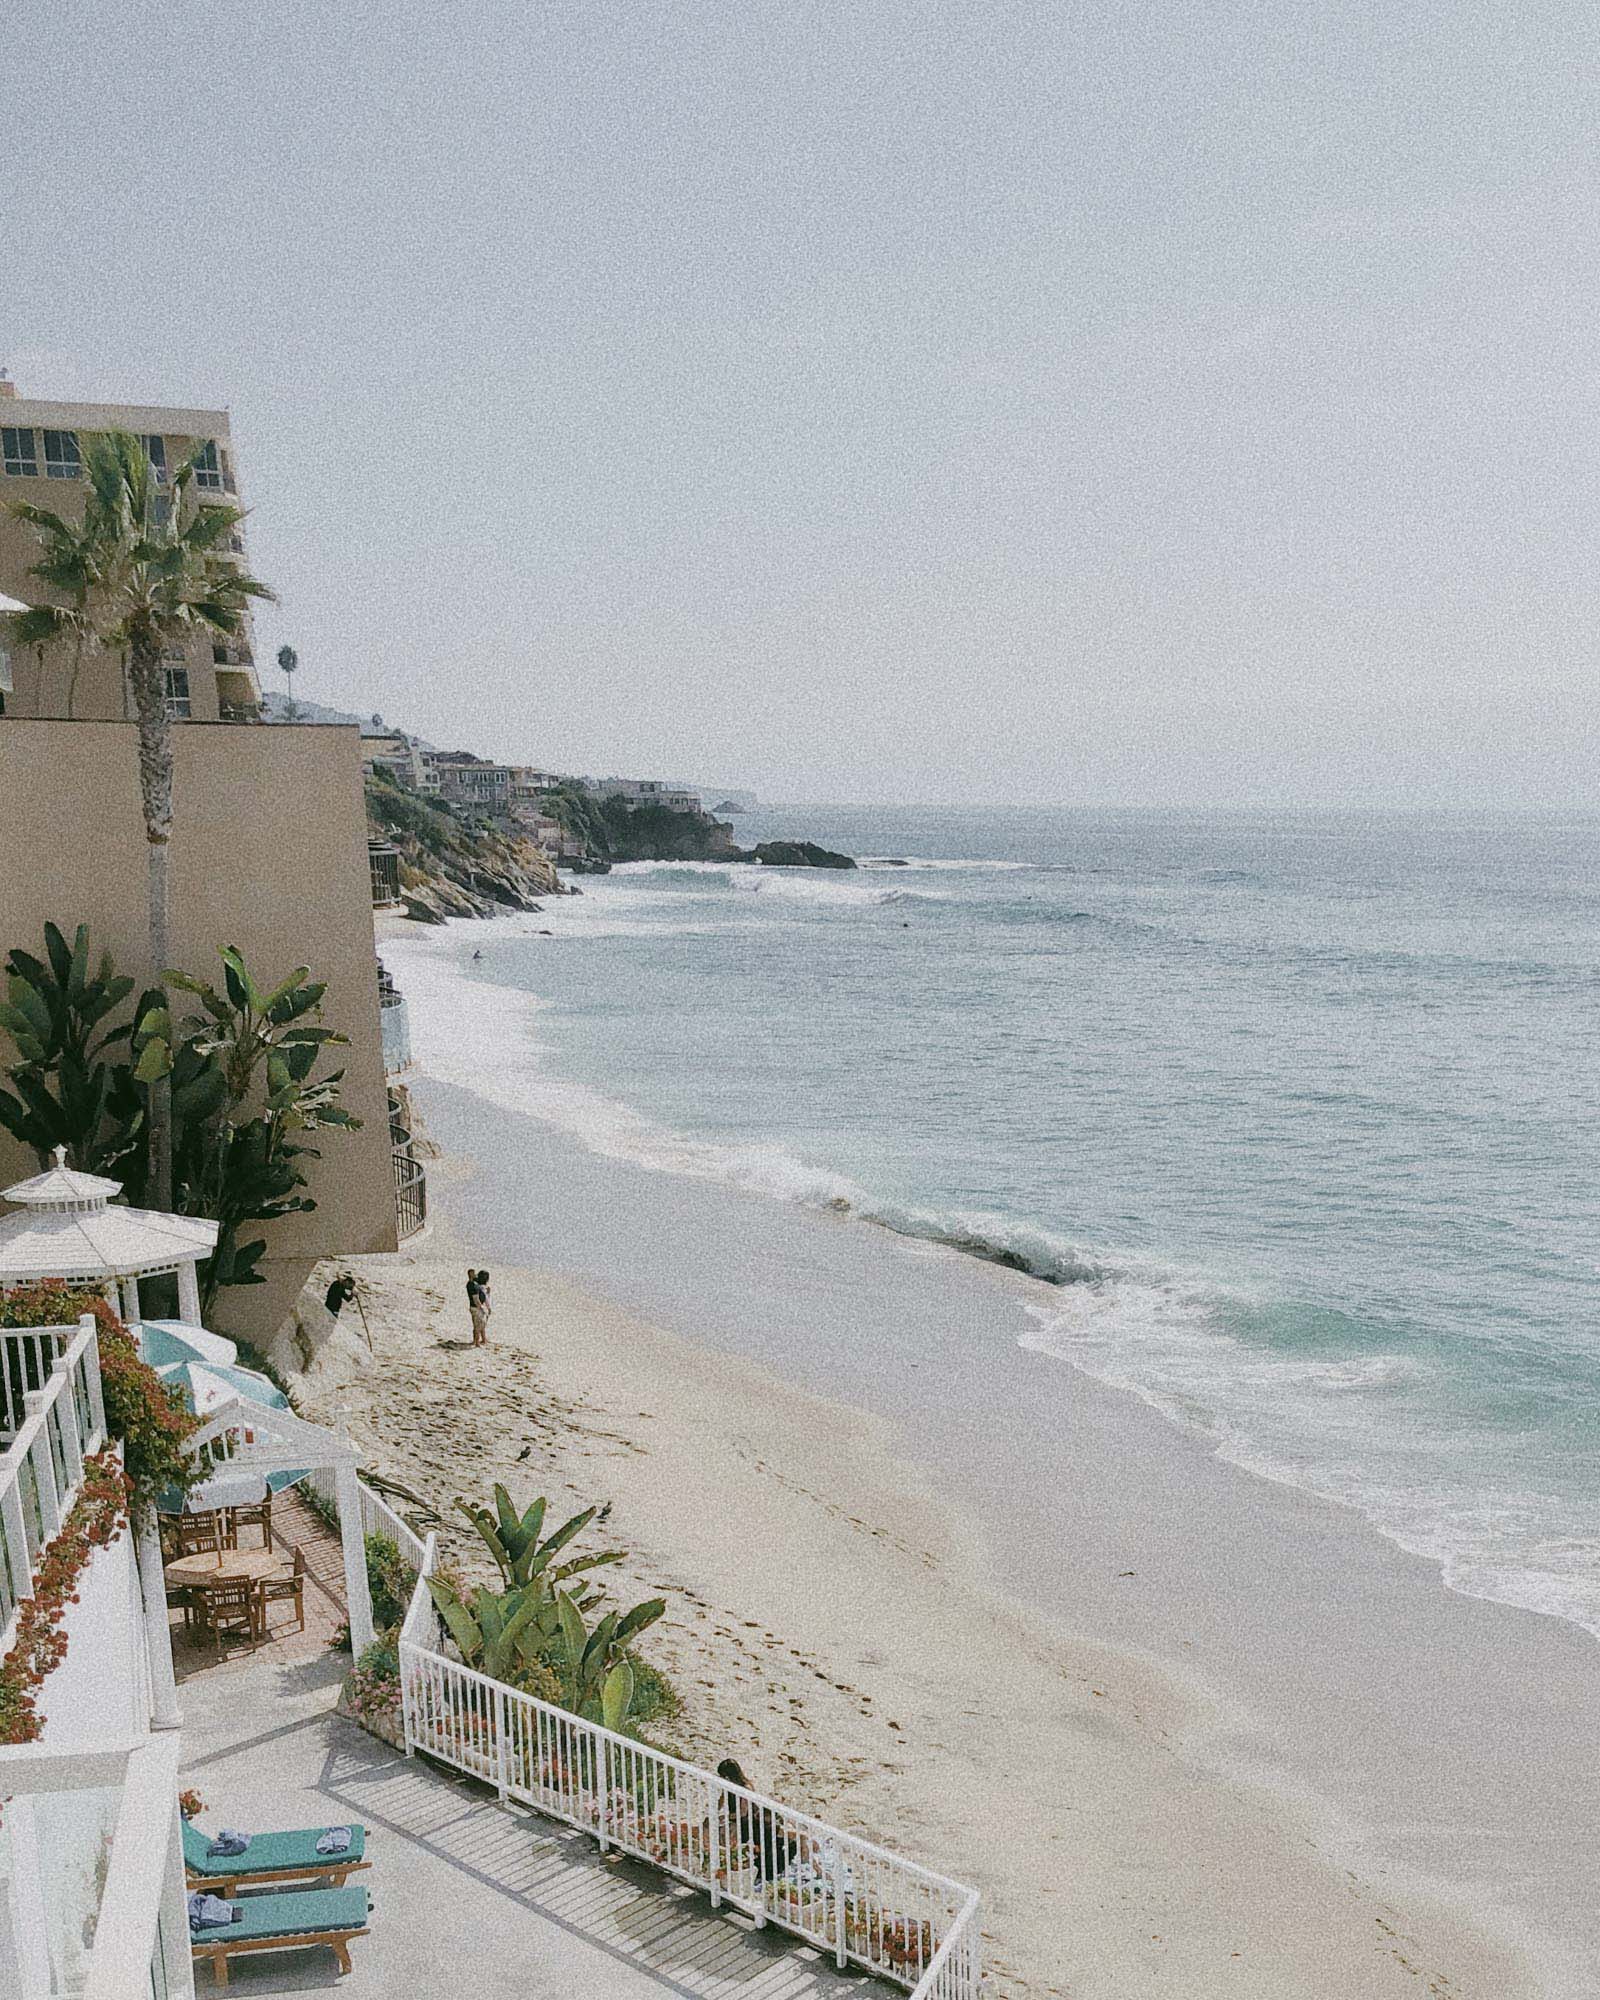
(838, 1893)
(96, 1865)
(410, 1194)
(396, 1025)
(383, 862)
(51, 1420)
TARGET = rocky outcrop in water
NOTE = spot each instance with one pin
(796, 854)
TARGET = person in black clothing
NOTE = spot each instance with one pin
(753, 1826)
(478, 1306)
(340, 1293)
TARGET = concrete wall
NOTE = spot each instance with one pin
(269, 853)
(100, 1692)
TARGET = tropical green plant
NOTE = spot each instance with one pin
(390, 1582)
(142, 571)
(519, 1554)
(240, 1072)
(288, 660)
(68, 1086)
(599, 1674)
(490, 1627)
(507, 1633)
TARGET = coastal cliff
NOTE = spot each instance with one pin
(450, 867)
(615, 829)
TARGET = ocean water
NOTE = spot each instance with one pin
(1295, 1113)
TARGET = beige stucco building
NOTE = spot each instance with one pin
(269, 853)
(269, 849)
(41, 449)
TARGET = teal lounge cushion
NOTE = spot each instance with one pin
(269, 1852)
(289, 1914)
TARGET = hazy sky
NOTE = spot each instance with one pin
(1058, 402)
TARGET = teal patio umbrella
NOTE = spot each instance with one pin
(166, 1342)
(206, 1387)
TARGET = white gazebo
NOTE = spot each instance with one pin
(67, 1227)
(251, 1442)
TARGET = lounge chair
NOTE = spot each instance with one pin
(285, 1921)
(270, 1858)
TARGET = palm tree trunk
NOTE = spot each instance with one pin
(155, 791)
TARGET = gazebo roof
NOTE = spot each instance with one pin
(67, 1228)
(62, 1187)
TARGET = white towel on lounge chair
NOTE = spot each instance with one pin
(335, 1841)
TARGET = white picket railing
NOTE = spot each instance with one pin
(377, 1517)
(51, 1420)
(842, 1894)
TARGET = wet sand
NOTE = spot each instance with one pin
(839, 1620)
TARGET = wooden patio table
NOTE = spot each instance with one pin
(212, 1566)
(208, 1569)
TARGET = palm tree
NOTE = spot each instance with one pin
(142, 571)
(288, 660)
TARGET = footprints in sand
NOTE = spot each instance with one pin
(745, 1450)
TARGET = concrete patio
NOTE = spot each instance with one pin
(467, 1895)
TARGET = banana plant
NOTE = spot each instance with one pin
(244, 1103)
(513, 1541)
(72, 1082)
(599, 1672)
(496, 1631)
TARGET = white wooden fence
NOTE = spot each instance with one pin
(51, 1420)
(864, 1905)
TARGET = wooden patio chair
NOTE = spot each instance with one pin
(183, 1600)
(287, 1589)
(234, 1608)
(200, 1534)
(257, 1515)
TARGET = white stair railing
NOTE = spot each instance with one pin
(52, 1419)
(859, 1902)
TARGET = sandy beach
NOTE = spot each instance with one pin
(834, 1622)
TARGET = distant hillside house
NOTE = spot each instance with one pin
(395, 752)
(636, 792)
(461, 779)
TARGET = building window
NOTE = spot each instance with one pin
(21, 454)
(178, 709)
(208, 467)
(155, 449)
(61, 456)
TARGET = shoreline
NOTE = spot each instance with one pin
(1054, 1276)
(1074, 1781)
(829, 1623)
(1418, 1739)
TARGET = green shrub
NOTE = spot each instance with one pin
(149, 1416)
(390, 1580)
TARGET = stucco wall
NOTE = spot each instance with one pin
(100, 1693)
(269, 853)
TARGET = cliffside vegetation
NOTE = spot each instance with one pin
(452, 865)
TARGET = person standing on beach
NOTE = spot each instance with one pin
(478, 1306)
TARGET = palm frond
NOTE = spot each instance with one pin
(39, 624)
(209, 524)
